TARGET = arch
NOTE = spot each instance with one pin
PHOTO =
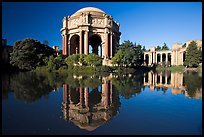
(74, 44)
(146, 59)
(95, 43)
(158, 58)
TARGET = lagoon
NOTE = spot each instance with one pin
(143, 103)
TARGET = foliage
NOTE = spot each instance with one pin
(93, 60)
(128, 54)
(192, 55)
(29, 87)
(72, 60)
(158, 48)
(193, 83)
(164, 47)
(29, 53)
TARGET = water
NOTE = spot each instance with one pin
(135, 104)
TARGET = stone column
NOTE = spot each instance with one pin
(111, 45)
(161, 58)
(166, 57)
(181, 58)
(166, 79)
(65, 45)
(81, 95)
(65, 93)
(80, 44)
(86, 96)
(176, 57)
(156, 58)
(150, 58)
(160, 78)
(172, 58)
(111, 93)
(153, 57)
(86, 45)
(106, 45)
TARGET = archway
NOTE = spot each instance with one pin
(158, 58)
(147, 59)
(74, 44)
(95, 43)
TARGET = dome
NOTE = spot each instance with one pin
(89, 9)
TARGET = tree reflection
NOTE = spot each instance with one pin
(128, 86)
(29, 87)
(193, 84)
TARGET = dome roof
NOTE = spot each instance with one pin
(87, 9)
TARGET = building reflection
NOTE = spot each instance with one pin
(165, 79)
(90, 108)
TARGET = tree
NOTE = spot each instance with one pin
(128, 54)
(165, 47)
(192, 55)
(29, 53)
(93, 60)
(45, 42)
(158, 48)
(72, 60)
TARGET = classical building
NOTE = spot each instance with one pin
(90, 28)
(90, 108)
(175, 81)
(176, 56)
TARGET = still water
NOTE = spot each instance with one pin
(149, 103)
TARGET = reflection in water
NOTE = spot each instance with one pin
(189, 84)
(91, 101)
(90, 108)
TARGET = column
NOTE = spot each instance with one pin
(81, 95)
(172, 58)
(156, 58)
(63, 44)
(65, 93)
(176, 57)
(166, 79)
(161, 58)
(166, 57)
(80, 44)
(111, 93)
(111, 45)
(86, 40)
(160, 78)
(153, 56)
(86, 96)
(181, 58)
(106, 45)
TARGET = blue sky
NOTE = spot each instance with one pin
(146, 23)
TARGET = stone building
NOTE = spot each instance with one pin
(176, 56)
(89, 109)
(90, 28)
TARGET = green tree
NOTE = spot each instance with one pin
(165, 47)
(29, 53)
(128, 54)
(192, 55)
(72, 60)
(158, 48)
(93, 60)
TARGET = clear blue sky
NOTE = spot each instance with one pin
(147, 23)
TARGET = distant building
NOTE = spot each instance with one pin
(176, 56)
